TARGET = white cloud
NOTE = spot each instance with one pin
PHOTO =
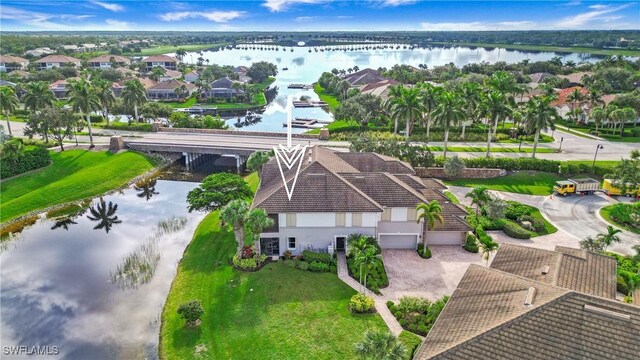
(597, 7)
(478, 26)
(38, 20)
(590, 19)
(282, 5)
(215, 16)
(109, 6)
(573, 3)
(117, 24)
(305, 18)
(393, 3)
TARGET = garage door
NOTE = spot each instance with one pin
(444, 238)
(398, 241)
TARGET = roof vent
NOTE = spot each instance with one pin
(546, 269)
(607, 313)
(531, 294)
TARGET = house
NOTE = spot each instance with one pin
(337, 194)
(126, 72)
(363, 77)
(10, 63)
(223, 88)
(170, 75)
(53, 61)
(60, 87)
(164, 61)
(106, 61)
(191, 76)
(20, 73)
(380, 88)
(88, 47)
(539, 78)
(38, 52)
(119, 86)
(575, 79)
(73, 48)
(168, 90)
(528, 307)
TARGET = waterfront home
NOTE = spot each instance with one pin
(37, 52)
(60, 87)
(10, 63)
(164, 61)
(191, 76)
(363, 77)
(107, 61)
(171, 90)
(170, 75)
(337, 194)
(224, 88)
(380, 88)
(539, 78)
(119, 86)
(576, 79)
(54, 61)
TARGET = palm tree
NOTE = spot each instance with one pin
(8, 103)
(632, 281)
(394, 94)
(575, 97)
(181, 53)
(479, 196)
(428, 213)
(495, 105)
(134, 95)
(83, 98)
(429, 95)
(105, 214)
(380, 345)
(105, 95)
(343, 87)
(610, 237)
(355, 245)
(487, 248)
(471, 94)
(146, 189)
(622, 116)
(408, 107)
(450, 111)
(598, 115)
(257, 220)
(540, 116)
(366, 259)
(256, 161)
(38, 96)
(234, 214)
(156, 73)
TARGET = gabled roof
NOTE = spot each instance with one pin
(385, 189)
(171, 85)
(7, 59)
(576, 78)
(159, 58)
(223, 83)
(107, 58)
(370, 162)
(58, 59)
(539, 77)
(496, 315)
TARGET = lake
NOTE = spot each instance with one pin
(96, 294)
(306, 67)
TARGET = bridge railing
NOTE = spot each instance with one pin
(238, 133)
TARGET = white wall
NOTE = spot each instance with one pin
(328, 219)
(399, 214)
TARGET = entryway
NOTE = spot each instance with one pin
(341, 243)
(270, 246)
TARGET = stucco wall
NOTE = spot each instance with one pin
(317, 237)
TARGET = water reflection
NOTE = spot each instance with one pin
(146, 188)
(64, 223)
(104, 214)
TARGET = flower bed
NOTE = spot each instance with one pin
(417, 314)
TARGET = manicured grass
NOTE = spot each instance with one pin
(524, 149)
(178, 105)
(275, 313)
(410, 341)
(524, 182)
(73, 175)
(574, 49)
(258, 100)
(164, 49)
(548, 227)
(605, 212)
(451, 197)
(331, 100)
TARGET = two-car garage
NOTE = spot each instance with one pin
(410, 241)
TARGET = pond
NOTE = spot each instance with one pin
(305, 65)
(94, 286)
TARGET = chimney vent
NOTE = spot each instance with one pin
(546, 269)
(531, 294)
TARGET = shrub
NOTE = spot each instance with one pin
(247, 251)
(290, 263)
(96, 118)
(287, 254)
(26, 159)
(312, 256)
(391, 305)
(454, 167)
(318, 266)
(302, 265)
(411, 342)
(471, 244)
(409, 306)
(425, 255)
(191, 312)
(536, 224)
(245, 264)
(621, 285)
(516, 231)
(516, 210)
(333, 269)
(483, 237)
(361, 303)
(376, 276)
(417, 314)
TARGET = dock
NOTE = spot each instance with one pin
(300, 86)
(302, 123)
(311, 103)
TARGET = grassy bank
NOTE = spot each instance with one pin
(165, 49)
(276, 313)
(331, 100)
(567, 49)
(524, 182)
(73, 175)
(524, 149)
(605, 212)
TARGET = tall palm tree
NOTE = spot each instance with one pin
(356, 245)
(610, 237)
(394, 94)
(38, 96)
(8, 103)
(234, 214)
(496, 107)
(575, 97)
(429, 95)
(598, 115)
(472, 95)
(134, 95)
(181, 53)
(407, 107)
(105, 214)
(428, 213)
(156, 73)
(540, 116)
(366, 259)
(479, 196)
(257, 220)
(450, 111)
(105, 95)
(380, 345)
(83, 98)
(256, 161)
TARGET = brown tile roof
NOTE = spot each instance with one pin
(385, 189)
(58, 59)
(371, 162)
(432, 183)
(12, 59)
(487, 318)
(378, 84)
(159, 58)
(169, 85)
(568, 268)
(576, 77)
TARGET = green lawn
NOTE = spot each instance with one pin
(73, 175)
(451, 197)
(164, 49)
(605, 212)
(258, 100)
(178, 105)
(548, 227)
(573, 49)
(331, 100)
(524, 182)
(276, 313)
(524, 149)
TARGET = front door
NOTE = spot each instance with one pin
(270, 246)
(340, 243)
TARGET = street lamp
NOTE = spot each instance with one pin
(561, 140)
(593, 167)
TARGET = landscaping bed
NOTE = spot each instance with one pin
(516, 217)
(628, 272)
(312, 261)
(376, 276)
(417, 315)
(623, 215)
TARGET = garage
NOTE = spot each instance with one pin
(399, 241)
(444, 238)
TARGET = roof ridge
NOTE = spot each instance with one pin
(405, 186)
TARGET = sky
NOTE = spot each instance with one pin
(316, 15)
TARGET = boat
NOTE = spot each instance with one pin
(285, 68)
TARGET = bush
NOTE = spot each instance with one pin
(287, 254)
(426, 254)
(22, 160)
(191, 312)
(410, 341)
(290, 263)
(510, 164)
(312, 256)
(318, 266)
(536, 224)
(361, 303)
(409, 306)
(516, 210)
(516, 231)
(417, 314)
(471, 244)
(621, 286)
(483, 237)
(96, 118)
(127, 127)
(302, 265)
(376, 276)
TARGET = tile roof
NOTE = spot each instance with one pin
(12, 59)
(159, 58)
(576, 77)
(568, 268)
(385, 189)
(432, 183)
(107, 58)
(487, 318)
(170, 85)
(563, 95)
(58, 59)
(370, 162)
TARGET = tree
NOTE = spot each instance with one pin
(575, 97)
(623, 115)
(407, 106)
(380, 345)
(539, 116)
(261, 70)
(355, 245)
(38, 96)
(83, 98)
(592, 244)
(626, 174)
(155, 110)
(495, 208)
(234, 214)
(257, 160)
(394, 95)
(134, 95)
(610, 237)
(191, 312)
(428, 213)
(632, 282)
(156, 73)
(8, 103)
(487, 247)
(450, 111)
(366, 259)
(479, 196)
(105, 214)
(598, 115)
(60, 123)
(105, 96)
(454, 166)
(181, 53)
(257, 220)
(496, 107)
(216, 191)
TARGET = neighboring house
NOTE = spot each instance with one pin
(119, 86)
(167, 90)
(241, 74)
(575, 79)
(495, 314)
(88, 47)
(106, 61)
(164, 61)
(73, 48)
(53, 61)
(380, 88)
(192, 76)
(538, 78)
(223, 88)
(38, 52)
(363, 77)
(59, 88)
(339, 194)
(170, 75)
(126, 72)
(10, 63)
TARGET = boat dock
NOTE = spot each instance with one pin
(311, 103)
(302, 123)
(300, 86)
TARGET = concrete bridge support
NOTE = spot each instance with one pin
(193, 160)
(241, 162)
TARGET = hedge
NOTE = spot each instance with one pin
(311, 256)
(516, 231)
(30, 158)
(376, 276)
(410, 341)
(471, 245)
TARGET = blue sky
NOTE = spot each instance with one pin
(317, 15)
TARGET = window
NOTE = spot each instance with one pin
(386, 214)
(291, 220)
(356, 219)
(340, 219)
(411, 214)
(291, 243)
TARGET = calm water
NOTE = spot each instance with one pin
(97, 295)
(306, 67)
